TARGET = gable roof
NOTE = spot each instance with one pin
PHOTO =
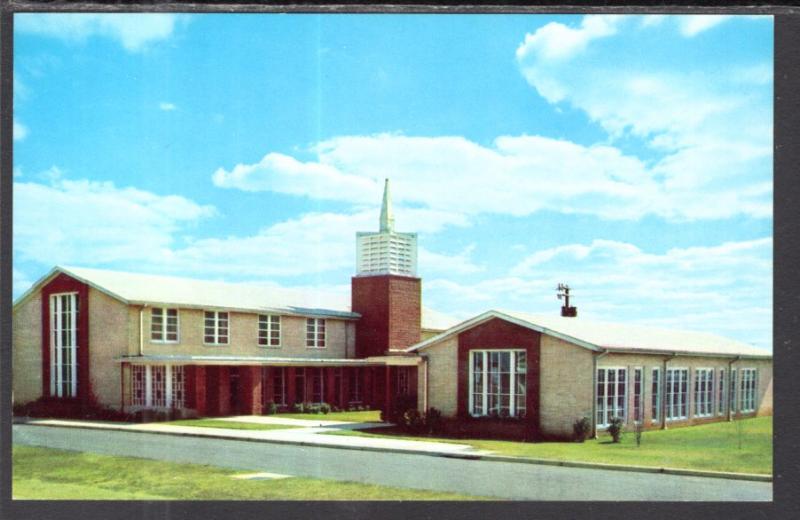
(138, 289)
(612, 337)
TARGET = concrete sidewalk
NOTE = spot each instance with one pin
(305, 436)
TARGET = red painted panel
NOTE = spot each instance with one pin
(63, 284)
(500, 334)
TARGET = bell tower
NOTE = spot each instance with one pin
(386, 290)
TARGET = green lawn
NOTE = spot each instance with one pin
(712, 447)
(47, 474)
(368, 416)
(231, 425)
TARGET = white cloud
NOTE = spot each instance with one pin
(134, 31)
(692, 25)
(20, 130)
(517, 175)
(710, 130)
(724, 288)
(91, 223)
(556, 41)
(460, 263)
(167, 107)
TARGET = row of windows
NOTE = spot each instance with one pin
(164, 328)
(612, 393)
(158, 386)
(316, 392)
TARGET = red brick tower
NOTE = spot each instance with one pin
(386, 291)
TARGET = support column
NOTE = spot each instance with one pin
(224, 390)
(250, 390)
(330, 386)
(345, 396)
(200, 401)
(267, 386)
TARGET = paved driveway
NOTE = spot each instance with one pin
(498, 479)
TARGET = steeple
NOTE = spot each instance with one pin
(387, 218)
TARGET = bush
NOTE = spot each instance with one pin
(581, 428)
(399, 407)
(325, 408)
(433, 421)
(615, 428)
(298, 408)
(270, 408)
(412, 421)
(70, 408)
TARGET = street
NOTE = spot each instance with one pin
(503, 480)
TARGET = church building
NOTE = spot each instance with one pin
(135, 341)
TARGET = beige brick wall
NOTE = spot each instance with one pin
(648, 362)
(26, 351)
(109, 325)
(243, 337)
(443, 376)
(565, 392)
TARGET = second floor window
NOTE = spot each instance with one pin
(269, 330)
(216, 328)
(164, 325)
(315, 332)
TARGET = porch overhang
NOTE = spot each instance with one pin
(269, 361)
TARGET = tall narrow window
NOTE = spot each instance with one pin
(748, 393)
(216, 328)
(677, 381)
(703, 392)
(163, 325)
(611, 394)
(278, 385)
(637, 394)
(315, 332)
(655, 396)
(403, 381)
(177, 394)
(355, 384)
(721, 392)
(64, 345)
(300, 385)
(139, 384)
(317, 385)
(498, 383)
(159, 386)
(269, 330)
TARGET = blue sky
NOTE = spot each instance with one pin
(629, 156)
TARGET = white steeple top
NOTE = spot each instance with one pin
(387, 217)
(386, 252)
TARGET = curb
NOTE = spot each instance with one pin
(467, 456)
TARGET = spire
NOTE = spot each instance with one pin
(387, 218)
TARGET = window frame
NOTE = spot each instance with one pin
(269, 330)
(315, 344)
(602, 408)
(670, 404)
(59, 386)
(748, 396)
(721, 392)
(656, 387)
(512, 407)
(164, 324)
(638, 394)
(172, 386)
(703, 388)
(216, 327)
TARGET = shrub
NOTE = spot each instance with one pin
(399, 407)
(412, 421)
(615, 428)
(581, 428)
(325, 408)
(270, 408)
(433, 421)
(298, 408)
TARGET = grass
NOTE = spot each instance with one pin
(366, 416)
(711, 447)
(48, 474)
(230, 425)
